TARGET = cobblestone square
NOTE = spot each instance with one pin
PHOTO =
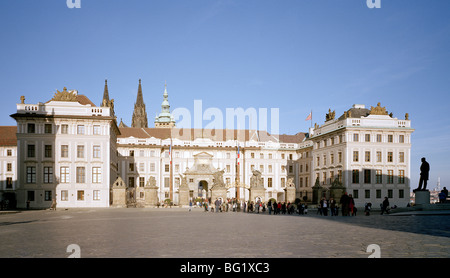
(178, 233)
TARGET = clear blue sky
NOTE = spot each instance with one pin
(295, 55)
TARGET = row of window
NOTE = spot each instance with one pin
(369, 176)
(64, 177)
(378, 193)
(64, 195)
(48, 151)
(368, 157)
(48, 129)
(356, 138)
(228, 155)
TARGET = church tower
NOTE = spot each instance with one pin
(165, 119)
(139, 115)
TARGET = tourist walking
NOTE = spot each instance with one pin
(269, 206)
(351, 205)
(332, 204)
(344, 203)
(324, 206)
(385, 205)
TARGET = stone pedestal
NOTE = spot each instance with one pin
(151, 195)
(217, 193)
(290, 194)
(183, 196)
(422, 197)
(119, 193)
(257, 192)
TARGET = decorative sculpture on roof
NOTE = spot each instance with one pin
(407, 116)
(64, 95)
(378, 110)
(330, 115)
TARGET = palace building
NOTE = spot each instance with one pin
(73, 153)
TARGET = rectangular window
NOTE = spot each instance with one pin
(131, 153)
(379, 177)
(356, 137)
(270, 168)
(291, 168)
(401, 176)
(167, 168)
(390, 193)
(96, 130)
(141, 181)
(332, 158)
(269, 182)
(390, 177)
(355, 176)
(401, 157)
(152, 167)
(48, 195)
(64, 129)
(31, 150)
(355, 156)
(142, 167)
(340, 175)
(30, 195)
(80, 195)
(367, 174)
(367, 193)
(367, 137)
(283, 182)
(8, 152)
(401, 138)
(96, 151)
(390, 157)
(48, 151)
(131, 167)
(31, 128)
(166, 182)
(379, 138)
(96, 175)
(379, 157)
(48, 128)
(80, 129)
(340, 157)
(48, 174)
(96, 195)
(401, 193)
(64, 195)
(64, 151)
(355, 193)
(9, 182)
(80, 151)
(378, 194)
(64, 174)
(9, 167)
(390, 138)
(367, 156)
(31, 174)
(228, 168)
(81, 175)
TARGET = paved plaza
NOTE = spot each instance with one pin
(178, 233)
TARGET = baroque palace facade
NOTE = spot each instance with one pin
(73, 153)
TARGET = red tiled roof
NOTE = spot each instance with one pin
(8, 136)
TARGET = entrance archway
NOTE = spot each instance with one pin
(203, 186)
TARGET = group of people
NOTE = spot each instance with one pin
(347, 205)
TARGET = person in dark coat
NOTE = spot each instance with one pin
(385, 205)
(424, 174)
(345, 200)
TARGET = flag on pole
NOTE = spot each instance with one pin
(309, 116)
(238, 155)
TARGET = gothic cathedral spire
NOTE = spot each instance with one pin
(139, 114)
